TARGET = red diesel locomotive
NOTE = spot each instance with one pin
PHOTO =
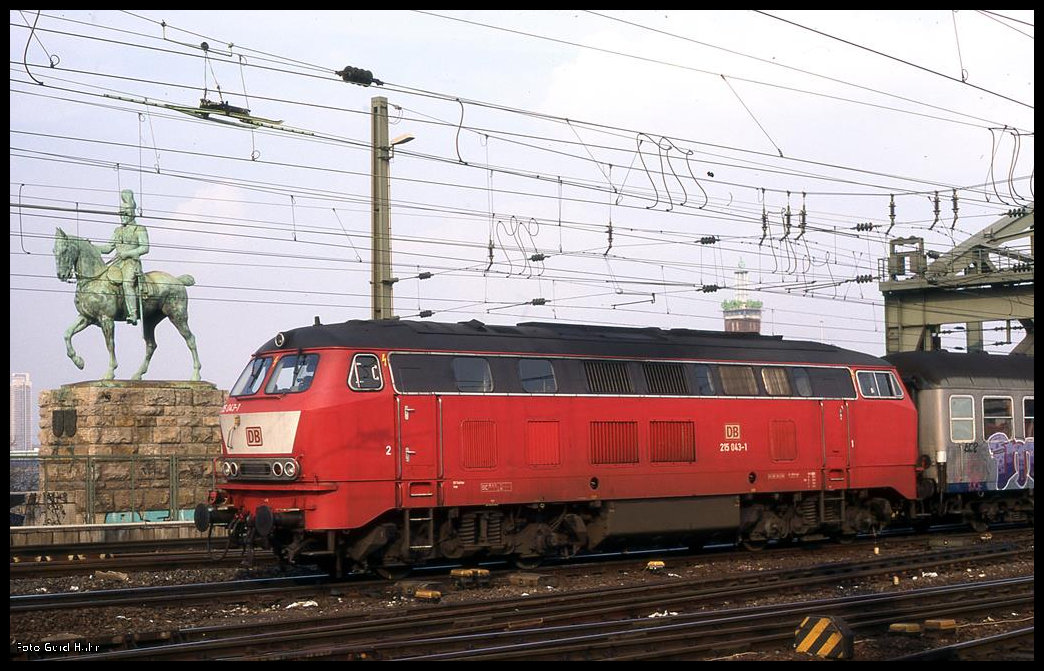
(385, 444)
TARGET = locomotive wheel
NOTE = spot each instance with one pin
(393, 572)
(754, 546)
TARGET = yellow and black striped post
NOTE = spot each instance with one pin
(824, 636)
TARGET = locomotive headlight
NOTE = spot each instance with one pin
(226, 469)
(290, 468)
(233, 469)
(277, 469)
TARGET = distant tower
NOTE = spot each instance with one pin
(742, 315)
(21, 413)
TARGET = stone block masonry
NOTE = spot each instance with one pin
(122, 448)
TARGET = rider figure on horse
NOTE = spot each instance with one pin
(130, 241)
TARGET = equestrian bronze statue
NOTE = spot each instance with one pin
(120, 291)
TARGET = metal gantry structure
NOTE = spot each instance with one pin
(986, 278)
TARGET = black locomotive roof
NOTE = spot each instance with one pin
(566, 339)
(940, 368)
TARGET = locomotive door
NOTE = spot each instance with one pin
(418, 427)
(835, 444)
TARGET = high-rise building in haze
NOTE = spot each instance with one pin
(21, 413)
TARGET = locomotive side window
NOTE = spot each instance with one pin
(537, 376)
(250, 379)
(802, 382)
(962, 419)
(292, 374)
(471, 373)
(776, 382)
(831, 382)
(704, 380)
(365, 373)
(997, 417)
(666, 378)
(1027, 417)
(738, 381)
(878, 384)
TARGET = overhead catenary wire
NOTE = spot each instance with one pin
(581, 150)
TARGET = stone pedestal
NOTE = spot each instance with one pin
(124, 451)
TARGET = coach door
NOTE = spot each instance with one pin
(418, 428)
(835, 444)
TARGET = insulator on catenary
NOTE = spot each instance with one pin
(358, 76)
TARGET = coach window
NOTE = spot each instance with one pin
(365, 373)
(738, 380)
(776, 382)
(878, 384)
(537, 376)
(471, 373)
(996, 416)
(962, 419)
(1027, 417)
(292, 374)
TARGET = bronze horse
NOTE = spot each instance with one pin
(99, 301)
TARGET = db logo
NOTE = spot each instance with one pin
(253, 436)
(732, 432)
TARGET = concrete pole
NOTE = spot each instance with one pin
(381, 194)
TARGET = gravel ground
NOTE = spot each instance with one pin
(117, 621)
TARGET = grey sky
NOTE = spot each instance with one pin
(676, 126)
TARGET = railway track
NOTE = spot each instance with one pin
(1011, 646)
(75, 559)
(355, 636)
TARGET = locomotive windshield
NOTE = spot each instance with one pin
(293, 373)
(253, 375)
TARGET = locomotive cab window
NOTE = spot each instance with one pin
(471, 373)
(997, 416)
(962, 419)
(1027, 417)
(878, 384)
(292, 374)
(365, 373)
(253, 375)
(537, 376)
